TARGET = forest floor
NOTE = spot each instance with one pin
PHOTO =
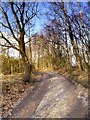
(13, 90)
(50, 96)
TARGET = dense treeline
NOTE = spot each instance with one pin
(64, 42)
(11, 65)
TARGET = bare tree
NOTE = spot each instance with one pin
(15, 18)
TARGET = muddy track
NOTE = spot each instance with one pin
(53, 97)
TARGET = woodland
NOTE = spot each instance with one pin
(61, 45)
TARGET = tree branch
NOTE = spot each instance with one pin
(16, 17)
(2, 36)
(4, 25)
(9, 25)
(8, 46)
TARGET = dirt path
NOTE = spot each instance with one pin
(53, 97)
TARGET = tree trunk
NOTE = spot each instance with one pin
(30, 57)
(27, 65)
(27, 72)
